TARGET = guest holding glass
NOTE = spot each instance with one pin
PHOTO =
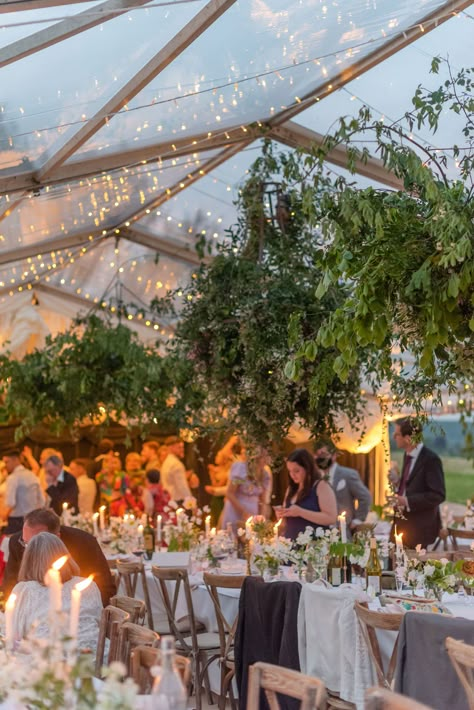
(31, 615)
(248, 487)
(309, 500)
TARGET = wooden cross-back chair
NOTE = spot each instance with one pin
(226, 629)
(136, 608)
(462, 658)
(145, 657)
(456, 534)
(202, 648)
(275, 679)
(130, 636)
(129, 573)
(383, 699)
(369, 621)
(111, 619)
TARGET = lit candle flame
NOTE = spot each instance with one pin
(277, 525)
(95, 516)
(60, 562)
(102, 507)
(399, 538)
(65, 505)
(80, 586)
(10, 603)
(342, 516)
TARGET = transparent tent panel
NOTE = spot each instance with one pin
(104, 272)
(49, 95)
(92, 204)
(269, 56)
(209, 204)
(389, 87)
(18, 25)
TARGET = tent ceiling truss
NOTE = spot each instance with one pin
(280, 127)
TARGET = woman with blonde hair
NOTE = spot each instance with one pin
(31, 615)
(248, 489)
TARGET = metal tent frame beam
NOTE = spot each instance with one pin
(17, 5)
(296, 136)
(163, 245)
(176, 46)
(66, 28)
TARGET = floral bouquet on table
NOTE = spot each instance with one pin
(268, 556)
(312, 548)
(359, 550)
(82, 522)
(436, 576)
(184, 526)
(123, 536)
(44, 676)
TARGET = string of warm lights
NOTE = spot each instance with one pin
(214, 87)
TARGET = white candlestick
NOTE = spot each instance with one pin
(95, 517)
(159, 521)
(208, 525)
(343, 527)
(102, 518)
(248, 527)
(9, 612)
(53, 581)
(76, 606)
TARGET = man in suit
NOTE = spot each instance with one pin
(83, 548)
(347, 486)
(61, 485)
(420, 488)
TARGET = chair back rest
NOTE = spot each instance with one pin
(462, 658)
(111, 619)
(369, 621)
(129, 573)
(131, 635)
(144, 658)
(383, 699)
(275, 679)
(165, 577)
(226, 628)
(460, 555)
(456, 534)
(136, 608)
(443, 555)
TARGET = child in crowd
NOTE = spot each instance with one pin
(155, 498)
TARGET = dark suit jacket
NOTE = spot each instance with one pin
(425, 491)
(64, 492)
(83, 548)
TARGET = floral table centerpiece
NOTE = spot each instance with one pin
(184, 526)
(435, 576)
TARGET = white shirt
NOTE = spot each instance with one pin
(414, 455)
(23, 492)
(87, 493)
(173, 478)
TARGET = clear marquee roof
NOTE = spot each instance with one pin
(126, 126)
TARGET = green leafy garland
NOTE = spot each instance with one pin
(94, 371)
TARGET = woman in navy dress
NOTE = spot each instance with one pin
(309, 500)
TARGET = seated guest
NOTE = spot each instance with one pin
(309, 500)
(22, 492)
(31, 614)
(61, 485)
(82, 547)
(154, 496)
(87, 486)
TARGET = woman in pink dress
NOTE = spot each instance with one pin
(249, 486)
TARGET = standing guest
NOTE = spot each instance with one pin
(135, 473)
(173, 473)
(62, 486)
(309, 500)
(105, 447)
(114, 487)
(219, 475)
(23, 492)
(38, 468)
(149, 455)
(247, 489)
(31, 613)
(420, 488)
(87, 486)
(82, 547)
(352, 495)
(162, 454)
(154, 498)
